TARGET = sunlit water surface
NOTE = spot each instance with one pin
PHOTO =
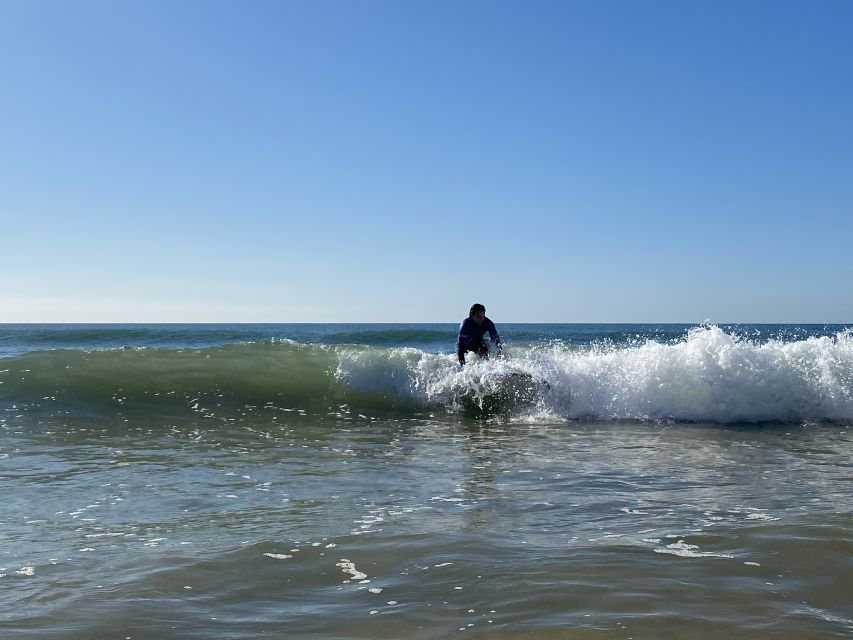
(278, 524)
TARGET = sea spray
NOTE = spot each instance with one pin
(710, 376)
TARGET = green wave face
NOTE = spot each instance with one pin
(166, 381)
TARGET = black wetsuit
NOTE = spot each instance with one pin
(471, 338)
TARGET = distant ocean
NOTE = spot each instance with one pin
(352, 481)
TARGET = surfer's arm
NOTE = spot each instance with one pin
(496, 339)
(462, 341)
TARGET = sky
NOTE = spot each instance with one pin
(398, 160)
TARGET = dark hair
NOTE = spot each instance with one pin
(475, 308)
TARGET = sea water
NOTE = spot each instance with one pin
(352, 481)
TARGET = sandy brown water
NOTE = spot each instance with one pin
(424, 527)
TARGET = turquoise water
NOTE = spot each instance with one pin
(349, 481)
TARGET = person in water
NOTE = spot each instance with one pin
(471, 333)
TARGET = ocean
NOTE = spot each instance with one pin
(352, 481)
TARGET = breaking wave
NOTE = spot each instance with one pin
(710, 376)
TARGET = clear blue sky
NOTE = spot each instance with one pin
(358, 160)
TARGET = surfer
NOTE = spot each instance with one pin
(471, 333)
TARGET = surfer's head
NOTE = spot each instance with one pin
(477, 313)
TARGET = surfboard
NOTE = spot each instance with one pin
(520, 385)
(504, 391)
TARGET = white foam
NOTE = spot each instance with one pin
(349, 567)
(761, 516)
(711, 376)
(425, 378)
(714, 376)
(684, 550)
